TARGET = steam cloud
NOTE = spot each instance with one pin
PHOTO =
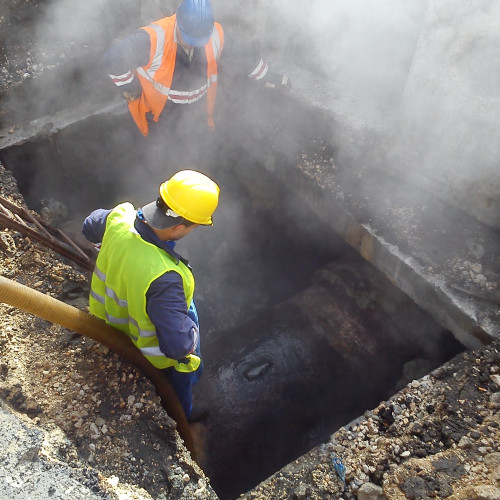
(420, 69)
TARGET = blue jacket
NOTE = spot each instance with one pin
(176, 328)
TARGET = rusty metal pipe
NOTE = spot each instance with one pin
(55, 311)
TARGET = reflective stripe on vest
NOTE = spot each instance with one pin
(213, 50)
(149, 72)
(119, 80)
(156, 76)
(124, 307)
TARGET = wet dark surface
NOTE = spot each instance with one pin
(283, 382)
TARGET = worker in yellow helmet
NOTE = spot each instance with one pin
(142, 287)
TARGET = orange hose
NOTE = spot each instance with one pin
(55, 311)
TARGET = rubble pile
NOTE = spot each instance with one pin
(439, 437)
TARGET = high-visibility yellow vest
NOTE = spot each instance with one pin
(125, 268)
(156, 76)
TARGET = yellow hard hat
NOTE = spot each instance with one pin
(192, 195)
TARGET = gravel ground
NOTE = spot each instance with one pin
(19, 60)
(437, 438)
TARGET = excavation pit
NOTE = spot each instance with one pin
(300, 334)
(362, 97)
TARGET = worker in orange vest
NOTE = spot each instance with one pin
(173, 62)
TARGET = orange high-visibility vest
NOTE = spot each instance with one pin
(156, 76)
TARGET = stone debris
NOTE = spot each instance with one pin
(438, 437)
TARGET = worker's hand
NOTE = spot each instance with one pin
(285, 85)
(132, 95)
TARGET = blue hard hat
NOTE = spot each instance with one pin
(195, 20)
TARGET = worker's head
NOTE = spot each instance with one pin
(195, 22)
(187, 199)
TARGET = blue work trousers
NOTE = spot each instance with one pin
(183, 382)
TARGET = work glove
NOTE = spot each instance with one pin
(132, 90)
(283, 83)
(133, 95)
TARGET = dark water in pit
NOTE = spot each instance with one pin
(299, 334)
